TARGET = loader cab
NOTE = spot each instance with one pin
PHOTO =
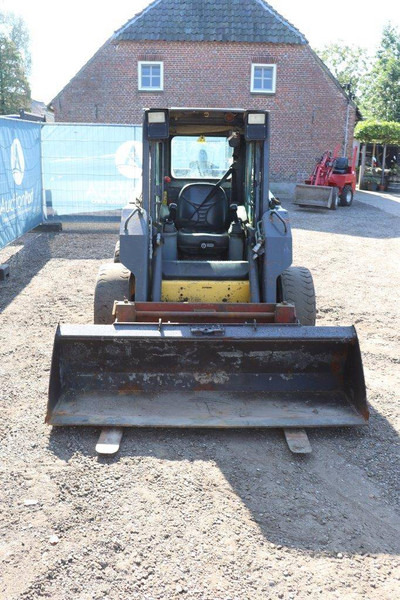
(205, 190)
(201, 167)
(200, 208)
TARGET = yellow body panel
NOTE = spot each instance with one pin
(205, 291)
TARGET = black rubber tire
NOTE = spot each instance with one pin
(113, 283)
(346, 197)
(335, 199)
(296, 286)
(116, 253)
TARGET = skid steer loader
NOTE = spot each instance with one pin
(201, 321)
(331, 184)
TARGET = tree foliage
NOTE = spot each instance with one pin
(378, 132)
(349, 64)
(14, 64)
(375, 81)
(382, 85)
(14, 28)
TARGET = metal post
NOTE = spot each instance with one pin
(383, 165)
(266, 166)
(42, 190)
(362, 167)
(346, 129)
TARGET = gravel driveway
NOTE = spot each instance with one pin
(211, 515)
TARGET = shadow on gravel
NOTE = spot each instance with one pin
(38, 249)
(24, 265)
(360, 220)
(325, 502)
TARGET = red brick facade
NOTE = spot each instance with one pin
(308, 110)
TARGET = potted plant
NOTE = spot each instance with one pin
(370, 180)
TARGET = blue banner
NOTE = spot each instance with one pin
(21, 206)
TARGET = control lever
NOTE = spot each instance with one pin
(233, 210)
(274, 202)
(172, 211)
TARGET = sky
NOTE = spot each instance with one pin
(64, 36)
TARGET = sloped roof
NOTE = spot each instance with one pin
(210, 21)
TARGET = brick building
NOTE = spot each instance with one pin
(204, 53)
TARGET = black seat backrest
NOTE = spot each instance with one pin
(194, 214)
(341, 165)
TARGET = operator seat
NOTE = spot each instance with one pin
(341, 165)
(202, 222)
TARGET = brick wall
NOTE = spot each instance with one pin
(308, 110)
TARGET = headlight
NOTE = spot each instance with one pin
(256, 119)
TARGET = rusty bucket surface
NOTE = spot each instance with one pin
(314, 195)
(242, 375)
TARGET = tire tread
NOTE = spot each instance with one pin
(297, 287)
(113, 283)
(342, 197)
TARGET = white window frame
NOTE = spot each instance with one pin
(143, 88)
(269, 66)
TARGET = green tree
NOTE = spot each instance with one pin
(349, 64)
(14, 64)
(14, 86)
(19, 34)
(378, 132)
(381, 93)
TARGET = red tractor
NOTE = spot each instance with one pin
(332, 183)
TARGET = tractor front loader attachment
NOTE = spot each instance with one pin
(315, 195)
(217, 374)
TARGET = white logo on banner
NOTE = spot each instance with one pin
(17, 162)
(128, 159)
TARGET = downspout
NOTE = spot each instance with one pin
(346, 128)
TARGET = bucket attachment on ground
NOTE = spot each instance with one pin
(314, 195)
(206, 375)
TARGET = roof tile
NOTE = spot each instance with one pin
(210, 20)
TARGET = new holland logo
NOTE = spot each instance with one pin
(17, 162)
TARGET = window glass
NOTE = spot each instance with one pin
(194, 157)
(263, 78)
(249, 183)
(157, 177)
(155, 76)
(150, 76)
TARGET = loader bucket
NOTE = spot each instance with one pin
(313, 195)
(231, 375)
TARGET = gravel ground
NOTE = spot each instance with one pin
(211, 515)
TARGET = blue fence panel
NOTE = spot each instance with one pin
(21, 206)
(90, 170)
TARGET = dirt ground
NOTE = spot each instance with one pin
(211, 515)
